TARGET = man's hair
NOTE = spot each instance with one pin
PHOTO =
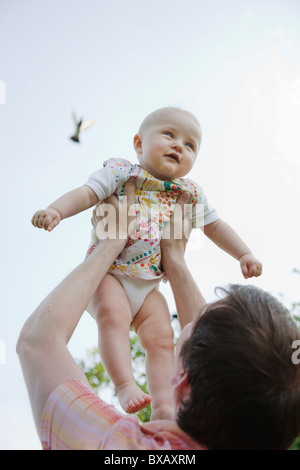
(245, 388)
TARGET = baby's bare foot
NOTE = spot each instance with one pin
(132, 398)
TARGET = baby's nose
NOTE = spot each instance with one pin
(177, 145)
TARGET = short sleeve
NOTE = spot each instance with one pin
(113, 175)
(203, 213)
(102, 183)
(75, 418)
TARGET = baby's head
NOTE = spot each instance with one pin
(167, 143)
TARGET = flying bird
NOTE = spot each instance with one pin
(80, 126)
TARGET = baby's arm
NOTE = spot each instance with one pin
(228, 240)
(69, 204)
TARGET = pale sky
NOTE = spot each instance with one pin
(234, 64)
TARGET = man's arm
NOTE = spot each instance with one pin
(42, 345)
(188, 298)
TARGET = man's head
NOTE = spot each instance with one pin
(244, 389)
(167, 143)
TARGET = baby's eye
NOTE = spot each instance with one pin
(169, 134)
(188, 144)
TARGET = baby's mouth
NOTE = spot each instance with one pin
(174, 156)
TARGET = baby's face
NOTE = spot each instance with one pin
(169, 145)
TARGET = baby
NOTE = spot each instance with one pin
(167, 144)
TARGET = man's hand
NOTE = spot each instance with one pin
(47, 219)
(250, 266)
(123, 210)
(188, 298)
(176, 233)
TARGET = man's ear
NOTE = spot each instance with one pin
(181, 387)
(137, 143)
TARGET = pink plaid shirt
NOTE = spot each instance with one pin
(74, 418)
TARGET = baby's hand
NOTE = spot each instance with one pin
(46, 219)
(250, 266)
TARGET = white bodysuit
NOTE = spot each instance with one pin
(141, 258)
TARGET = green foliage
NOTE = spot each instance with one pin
(296, 444)
(94, 370)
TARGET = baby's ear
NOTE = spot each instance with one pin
(137, 143)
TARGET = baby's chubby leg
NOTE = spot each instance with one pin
(110, 307)
(153, 326)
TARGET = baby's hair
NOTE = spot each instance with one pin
(152, 116)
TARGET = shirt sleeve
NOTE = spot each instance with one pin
(102, 182)
(75, 418)
(203, 213)
(111, 178)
